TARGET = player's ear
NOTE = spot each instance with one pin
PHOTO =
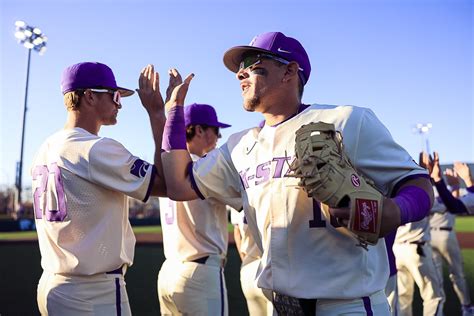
(88, 97)
(291, 71)
(199, 130)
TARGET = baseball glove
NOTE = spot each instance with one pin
(327, 175)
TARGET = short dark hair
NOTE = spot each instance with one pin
(191, 130)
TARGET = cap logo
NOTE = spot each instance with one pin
(253, 41)
(283, 51)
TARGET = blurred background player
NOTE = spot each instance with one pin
(195, 235)
(306, 261)
(414, 262)
(443, 236)
(81, 183)
(258, 304)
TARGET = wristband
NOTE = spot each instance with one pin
(413, 202)
(174, 134)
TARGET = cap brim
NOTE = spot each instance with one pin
(233, 56)
(125, 92)
(223, 125)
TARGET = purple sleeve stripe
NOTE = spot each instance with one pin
(150, 185)
(470, 189)
(404, 180)
(453, 205)
(193, 181)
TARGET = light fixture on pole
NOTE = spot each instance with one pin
(423, 129)
(33, 39)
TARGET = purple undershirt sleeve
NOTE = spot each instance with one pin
(413, 202)
(453, 205)
(174, 134)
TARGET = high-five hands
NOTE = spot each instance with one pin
(177, 90)
(149, 90)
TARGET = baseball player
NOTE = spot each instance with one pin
(191, 280)
(258, 304)
(80, 184)
(414, 262)
(308, 265)
(443, 237)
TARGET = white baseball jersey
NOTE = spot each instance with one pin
(304, 256)
(247, 245)
(193, 229)
(80, 186)
(439, 216)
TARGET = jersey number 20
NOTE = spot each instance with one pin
(41, 174)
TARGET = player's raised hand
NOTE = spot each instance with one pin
(435, 168)
(464, 172)
(177, 94)
(149, 90)
(452, 177)
(175, 80)
(425, 161)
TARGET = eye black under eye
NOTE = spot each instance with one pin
(259, 71)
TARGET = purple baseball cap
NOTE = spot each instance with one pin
(201, 114)
(90, 75)
(274, 43)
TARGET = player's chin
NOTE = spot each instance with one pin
(250, 105)
(111, 121)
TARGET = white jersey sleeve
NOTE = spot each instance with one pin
(362, 137)
(113, 166)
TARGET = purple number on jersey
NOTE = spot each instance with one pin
(317, 220)
(169, 214)
(43, 173)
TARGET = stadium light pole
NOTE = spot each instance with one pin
(423, 129)
(33, 39)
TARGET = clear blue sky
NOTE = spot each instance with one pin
(411, 61)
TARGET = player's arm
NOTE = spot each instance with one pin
(411, 202)
(177, 163)
(453, 204)
(152, 101)
(464, 173)
(238, 240)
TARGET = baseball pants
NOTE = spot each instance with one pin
(391, 290)
(446, 246)
(373, 305)
(415, 264)
(99, 295)
(257, 303)
(192, 288)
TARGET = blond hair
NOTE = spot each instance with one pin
(71, 100)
